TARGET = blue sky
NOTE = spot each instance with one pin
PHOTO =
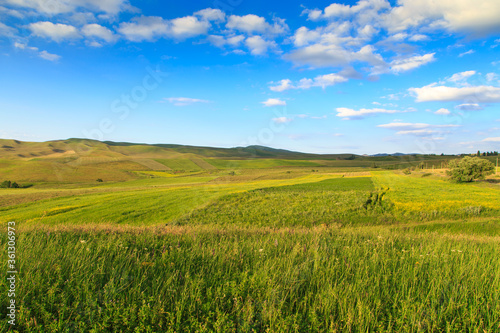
(367, 76)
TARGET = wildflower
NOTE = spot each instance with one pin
(260, 250)
(83, 241)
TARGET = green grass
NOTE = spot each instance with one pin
(281, 280)
(180, 164)
(340, 201)
(257, 251)
(426, 198)
(258, 163)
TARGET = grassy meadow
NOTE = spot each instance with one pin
(211, 243)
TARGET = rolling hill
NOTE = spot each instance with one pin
(77, 160)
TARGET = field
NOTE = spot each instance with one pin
(232, 245)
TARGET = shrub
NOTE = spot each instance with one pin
(407, 171)
(469, 169)
(99, 180)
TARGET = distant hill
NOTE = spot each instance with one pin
(87, 160)
(395, 154)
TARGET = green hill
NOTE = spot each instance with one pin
(84, 160)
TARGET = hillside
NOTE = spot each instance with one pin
(76, 160)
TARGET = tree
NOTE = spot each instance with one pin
(469, 169)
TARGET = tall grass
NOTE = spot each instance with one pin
(255, 279)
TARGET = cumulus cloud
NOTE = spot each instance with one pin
(463, 76)
(282, 120)
(149, 28)
(144, 28)
(474, 17)
(251, 24)
(210, 14)
(258, 45)
(188, 26)
(406, 64)
(322, 81)
(283, 85)
(98, 31)
(25, 47)
(53, 7)
(49, 56)
(433, 92)
(274, 102)
(183, 101)
(443, 112)
(333, 55)
(57, 32)
(303, 36)
(348, 114)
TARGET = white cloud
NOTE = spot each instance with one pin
(182, 101)
(57, 32)
(210, 14)
(7, 31)
(98, 31)
(332, 55)
(49, 56)
(24, 46)
(282, 120)
(322, 81)
(473, 17)
(348, 114)
(418, 129)
(497, 139)
(403, 65)
(458, 77)
(221, 41)
(64, 6)
(258, 45)
(149, 28)
(144, 28)
(283, 85)
(418, 38)
(443, 111)
(274, 102)
(466, 53)
(479, 94)
(188, 26)
(304, 36)
(251, 24)
(469, 107)
(491, 77)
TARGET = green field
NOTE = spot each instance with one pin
(261, 245)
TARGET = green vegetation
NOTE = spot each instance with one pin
(469, 169)
(220, 244)
(258, 163)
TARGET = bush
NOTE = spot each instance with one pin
(9, 184)
(5, 184)
(407, 171)
(99, 180)
(469, 169)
